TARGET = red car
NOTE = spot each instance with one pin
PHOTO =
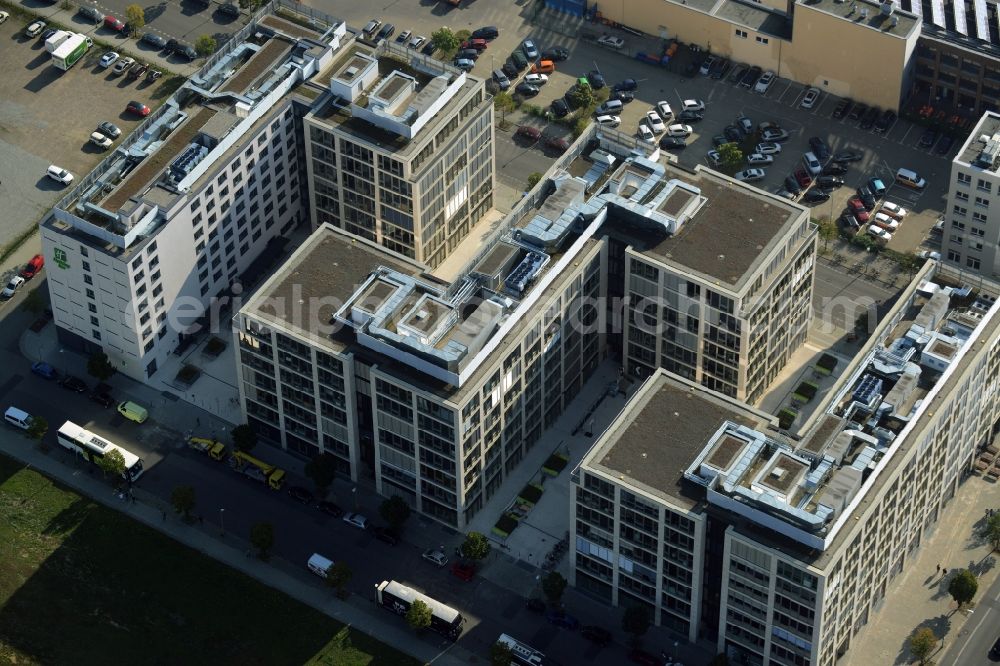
(34, 267)
(802, 178)
(478, 44)
(111, 23)
(857, 207)
(644, 658)
(138, 108)
(463, 570)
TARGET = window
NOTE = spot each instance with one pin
(956, 239)
(86, 265)
(975, 246)
(979, 217)
(954, 256)
(761, 40)
(964, 179)
(983, 202)
(983, 185)
(88, 280)
(96, 334)
(92, 307)
(972, 263)
(94, 321)
(977, 231)
(958, 210)
(90, 293)
(742, 34)
(962, 196)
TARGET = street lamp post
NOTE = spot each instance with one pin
(222, 520)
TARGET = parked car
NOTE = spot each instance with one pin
(519, 61)
(679, 130)
(559, 108)
(154, 40)
(858, 111)
(928, 138)
(535, 605)
(59, 174)
(562, 619)
(745, 125)
(885, 121)
(672, 143)
(102, 395)
(792, 185)
(692, 105)
(138, 70)
(768, 148)
(92, 14)
(528, 132)
(750, 78)
(608, 120)
(879, 233)
(463, 64)
(405, 35)
(894, 209)
(44, 370)
(99, 140)
(816, 195)
(775, 135)
(707, 64)
(108, 59)
(736, 76)
(802, 177)
(186, 51)
(557, 143)
(385, 535)
(556, 53)
(654, 121)
(857, 208)
(435, 556)
(732, 133)
(112, 23)
(479, 44)
(819, 147)
(526, 89)
(944, 145)
(12, 286)
(845, 156)
(536, 79)
(75, 384)
(867, 120)
(595, 634)
(714, 157)
(643, 658)
(330, 509)
(355, 520)
(759, 159)
(33, 267)
(417, 41)
(596, 79)
(750, 175)
(387, 31)
(764, 82)
(834, 169)
(931, 254)
(627, 84)
(886, 222)
(487, 32)
(300, 494)
(646, 134)
(138, 108)
(809, 99)
(623, 96)
(611, 42)
(123, 64)
(842, 108)
(35, 28)
(530, 50)
(719, 69)
(463, 570)
(229, 9)
(690, 116)
(867, 197)
(720, 140)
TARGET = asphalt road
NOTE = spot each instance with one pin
(178, 19)
(977, 637)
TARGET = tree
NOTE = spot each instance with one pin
(636, 621)
(827, 231)
(135, 16)
(262, 538)
(419, 615)
(963, 587)
(394, 511)
(183, 499)
(504, 102)
(37, 427)
(113, 463)
(99, 367)
(445, 40)
(992, 530)
(533, 179)
(252, 5)
(205, 45)
(731, 155)
(476, 547)
(500, 655)
(553, 585)
(581, 97)
(338, 576)
(322, 469)
(922, 643)
(244, 437)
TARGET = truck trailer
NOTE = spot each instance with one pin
(69, 49)
(257, 470)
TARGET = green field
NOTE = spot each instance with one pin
(82, 584)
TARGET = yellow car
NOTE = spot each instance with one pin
(133, 412)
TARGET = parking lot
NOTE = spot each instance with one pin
(47, 116)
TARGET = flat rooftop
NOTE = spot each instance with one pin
(865, 13)
(664, 426)
(262, 61)
(728, 234)
(756, 17)
(974, 149)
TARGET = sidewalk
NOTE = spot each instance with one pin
(357, 612)
(919, 595)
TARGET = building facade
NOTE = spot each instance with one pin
(779, 546)
(971, 236)
(401, 152)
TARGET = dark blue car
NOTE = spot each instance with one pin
(562, 619)
(44, 370)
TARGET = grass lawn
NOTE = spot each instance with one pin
(82, 584)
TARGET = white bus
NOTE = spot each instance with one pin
(523, 654)
(397, 598)
(93, 447)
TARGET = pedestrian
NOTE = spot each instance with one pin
(198, 420)
(201, 519)
(944, 572)
(939, 568)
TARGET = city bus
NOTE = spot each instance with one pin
(397, 598)
(93, 447)
(523, 654)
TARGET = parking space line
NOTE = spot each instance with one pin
(784, 94)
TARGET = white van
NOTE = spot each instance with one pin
(910, 179)
(319, 565)
(17, 418)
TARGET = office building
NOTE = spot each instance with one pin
(401, 151)
(435, 390)
(778, 544)
(970, 239)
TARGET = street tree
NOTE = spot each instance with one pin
(963, 587)
(395, 511)
(135, 16)
(553, 586)
(183, 499)
(992, 530)
(419, 615)
(827, 231)
(476, 547)
(731, 155)
(252, 5)
(636, 621)
(445, 40)
(533, 179)
(113, 463)
(500, 655)
(338, 576)
(262, 538)
(205, 45)
(504, 102)
(99, 367)
(244, 437)
(922, 643)
(322, 469)
(37, 427)
(581, 97)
